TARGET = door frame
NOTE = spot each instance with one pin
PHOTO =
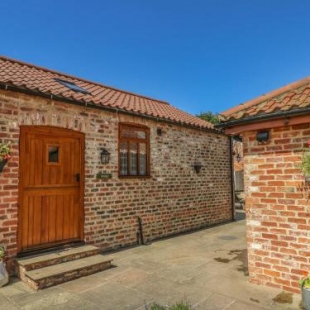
(52, 131)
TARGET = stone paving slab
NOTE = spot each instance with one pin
(6, 303)
(207, 269)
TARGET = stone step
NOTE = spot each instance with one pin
(56, 257)
(63, 272)
(60, 266)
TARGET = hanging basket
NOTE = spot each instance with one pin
(2, 164)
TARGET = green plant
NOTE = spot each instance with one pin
(2, 253)
(5, 149)
(177, 306)
(305, 162)
(180, 306)
(305, 282)
(209, 117)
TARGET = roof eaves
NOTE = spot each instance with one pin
(92, 104)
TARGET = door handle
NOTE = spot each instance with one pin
(77, 177)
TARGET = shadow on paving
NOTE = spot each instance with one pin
(239, 215)
(207, 269)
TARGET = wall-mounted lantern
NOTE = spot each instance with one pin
(197, 167)
(104, 156)
(159, 131)
(238, 158)
(262, 136)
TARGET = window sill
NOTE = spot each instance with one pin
(135, 176)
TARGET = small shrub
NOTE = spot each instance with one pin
(305, 164)
(177, 306)
(180, 306)
(305, 282)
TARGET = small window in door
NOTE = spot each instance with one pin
(53, 154)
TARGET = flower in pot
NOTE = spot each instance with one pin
(4, 277)
(2, 253)
(305, 291)
(5, 150)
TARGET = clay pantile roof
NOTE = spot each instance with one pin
(30, 78)
(293, 97)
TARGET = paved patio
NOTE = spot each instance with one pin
(206, 269)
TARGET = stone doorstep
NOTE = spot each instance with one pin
(60, 273)
(56, 257)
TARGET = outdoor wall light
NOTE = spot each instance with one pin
(197, 167)
(159, 131)
(262, 136)
(105, 156)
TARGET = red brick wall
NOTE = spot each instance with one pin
(277, 207)
(174, 199)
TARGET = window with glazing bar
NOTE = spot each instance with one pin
(133, 150)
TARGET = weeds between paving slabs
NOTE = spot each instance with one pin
(177, 306)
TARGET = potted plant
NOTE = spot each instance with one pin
(305, 291)
(4, 277)
(305, 165)
(5, 150)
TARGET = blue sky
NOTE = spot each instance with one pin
(198, 55)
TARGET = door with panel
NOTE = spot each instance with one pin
(51, 188)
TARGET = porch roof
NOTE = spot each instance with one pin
(290, 101)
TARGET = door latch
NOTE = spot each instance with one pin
(77, 177)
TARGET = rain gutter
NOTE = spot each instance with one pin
(110, 109)
(263, 117)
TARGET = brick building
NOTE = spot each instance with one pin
(58, 189)
(275, 129)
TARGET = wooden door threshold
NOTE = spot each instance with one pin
(50, 249)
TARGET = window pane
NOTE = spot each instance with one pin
(53, 154)
(133, 133)
(127, 133)
(133, 155)
(123, 159)
(142, 159)
(141, 134)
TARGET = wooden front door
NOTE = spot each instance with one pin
(51, 188)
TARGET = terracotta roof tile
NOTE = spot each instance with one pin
(287, 98)
(29, 77)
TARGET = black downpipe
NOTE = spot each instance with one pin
(140, 238)
(231, 159)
